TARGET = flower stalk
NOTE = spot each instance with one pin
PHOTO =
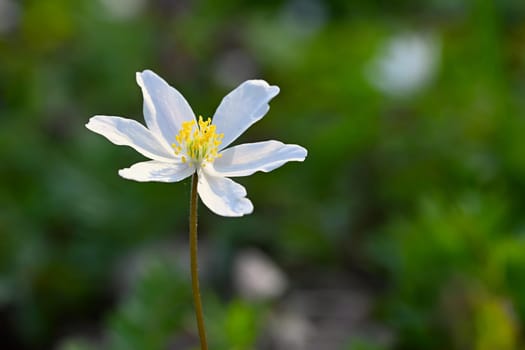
(194, 264)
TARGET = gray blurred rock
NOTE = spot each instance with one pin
(257, 277)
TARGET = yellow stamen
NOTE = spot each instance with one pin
(197, 142)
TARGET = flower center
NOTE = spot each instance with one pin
(197, 143)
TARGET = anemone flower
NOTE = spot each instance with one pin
(180, 145)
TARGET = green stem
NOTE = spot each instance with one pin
(194, 266)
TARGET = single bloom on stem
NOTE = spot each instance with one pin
(179, 144)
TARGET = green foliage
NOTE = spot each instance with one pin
(449, 274)
(235, 326)
(157, 305)
(362, 344)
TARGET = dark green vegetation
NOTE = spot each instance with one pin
(418, 195)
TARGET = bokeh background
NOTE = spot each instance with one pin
(403, 229)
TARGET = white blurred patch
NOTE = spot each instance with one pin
(9, 15)
(256, 277)
(123, 9)
(407, 63)
(290, 331)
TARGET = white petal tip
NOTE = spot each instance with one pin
(223, 196)
(93, 123)
(300, 153)
(128, 174)
(140, 76)
(123, 172)
(247, 209)
(154, 171)
(273, 89)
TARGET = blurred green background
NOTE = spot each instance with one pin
(403, 229)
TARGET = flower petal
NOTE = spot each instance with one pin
(246, 159)
(165, 109)
(223, 196)
(241, 108)
(157, 171)
(128, 132)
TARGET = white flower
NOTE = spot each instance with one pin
(180, 145)
(405, 64)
